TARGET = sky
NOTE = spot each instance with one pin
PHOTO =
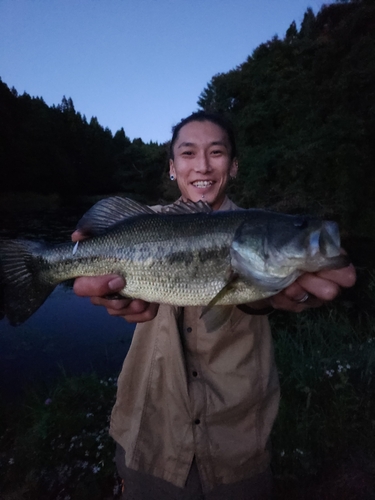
(136, 64)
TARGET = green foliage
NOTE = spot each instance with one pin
(140, 168)
(60, 445)
(304, 110)
(326, 418)
(54, 150)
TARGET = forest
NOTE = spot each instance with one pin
(304, 112)
(55, 150)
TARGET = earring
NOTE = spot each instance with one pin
(172, 177)
(233, 177)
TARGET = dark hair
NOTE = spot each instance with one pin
(202, 116)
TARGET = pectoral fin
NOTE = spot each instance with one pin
(216, 317)
(229, 286)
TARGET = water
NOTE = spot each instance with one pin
(67, 334)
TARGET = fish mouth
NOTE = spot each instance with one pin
(326, 240)
(325, 246)
(202, 184)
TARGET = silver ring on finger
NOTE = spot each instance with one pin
(304, 298)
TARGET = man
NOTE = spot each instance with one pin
(194, 409)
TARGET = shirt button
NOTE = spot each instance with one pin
(194, 373)
(189, 330)
(197, 421)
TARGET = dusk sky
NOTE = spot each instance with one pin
(136, 64)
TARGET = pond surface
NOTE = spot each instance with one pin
(67, 334)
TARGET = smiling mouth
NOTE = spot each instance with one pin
(202, 184)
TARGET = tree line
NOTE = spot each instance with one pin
(303, 108)
(55, 150)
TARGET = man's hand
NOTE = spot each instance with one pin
(313, 289)
(99, 287)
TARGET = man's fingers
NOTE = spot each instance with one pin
(321, 288)
(115, 305)
(121, 307)
(98, 285)
(284, 302)
(134, 311)
(294, 292)
(344, 277)
(147, 315)
(313, 284)
(78, 236)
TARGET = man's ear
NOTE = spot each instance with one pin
(233, 169)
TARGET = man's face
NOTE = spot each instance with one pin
(202, 162)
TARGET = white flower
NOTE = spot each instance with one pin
(95, 469)
(11, 461)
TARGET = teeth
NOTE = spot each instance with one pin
(202, 184)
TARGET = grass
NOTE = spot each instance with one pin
(326, 423)
(56, 445)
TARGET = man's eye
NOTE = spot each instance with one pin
(217, 152)
(187, 153)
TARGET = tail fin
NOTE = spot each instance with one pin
(22, 288)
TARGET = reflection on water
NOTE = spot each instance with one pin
(48, 225)
(67, 333)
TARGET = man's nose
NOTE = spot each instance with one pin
(203, 164)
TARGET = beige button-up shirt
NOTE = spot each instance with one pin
(183, 392)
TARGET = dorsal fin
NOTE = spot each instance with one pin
(108, 212)
(186, 207)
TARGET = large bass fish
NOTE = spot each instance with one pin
(186, 255)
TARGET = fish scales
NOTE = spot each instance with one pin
(187, 256)
(182, 259)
